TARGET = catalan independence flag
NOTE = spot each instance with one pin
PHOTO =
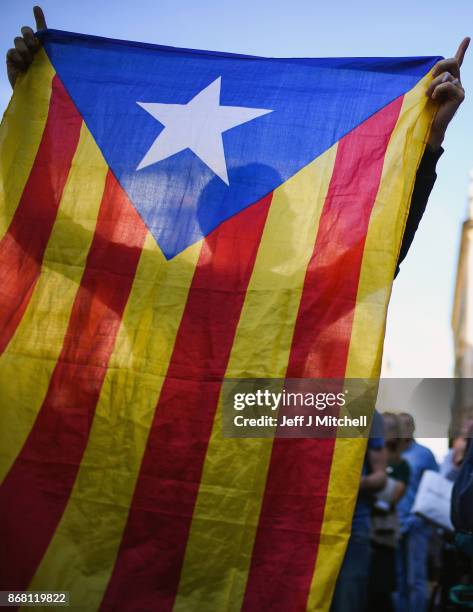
(171, 218)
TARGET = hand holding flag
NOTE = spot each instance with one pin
(447, 91)
(21, 55)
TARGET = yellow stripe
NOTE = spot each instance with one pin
(224, 524)
(20, 134)
(28, 363)
(382, 246)
(82, 554)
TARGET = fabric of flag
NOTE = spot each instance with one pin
(170, 218)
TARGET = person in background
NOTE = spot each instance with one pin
(385, 524)
(455, 552)
(351, 591)
(451, 464)
(412, 592)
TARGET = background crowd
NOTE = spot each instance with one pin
(399, 558)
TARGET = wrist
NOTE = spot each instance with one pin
(435, 139)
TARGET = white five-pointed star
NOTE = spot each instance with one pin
(198, 126)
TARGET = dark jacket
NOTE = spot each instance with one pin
(425, 180)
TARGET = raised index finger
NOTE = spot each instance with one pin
(39, 18)
(460, 54)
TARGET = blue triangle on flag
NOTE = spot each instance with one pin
(313, 103)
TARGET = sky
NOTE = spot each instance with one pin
(418, 339)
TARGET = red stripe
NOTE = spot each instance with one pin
(293, 505)
(22, 248)
(146, 574)
(37, 488)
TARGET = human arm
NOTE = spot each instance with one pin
(399, 491)
(447, 92)
(425, 180)
(376, 479)
(401, 474)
